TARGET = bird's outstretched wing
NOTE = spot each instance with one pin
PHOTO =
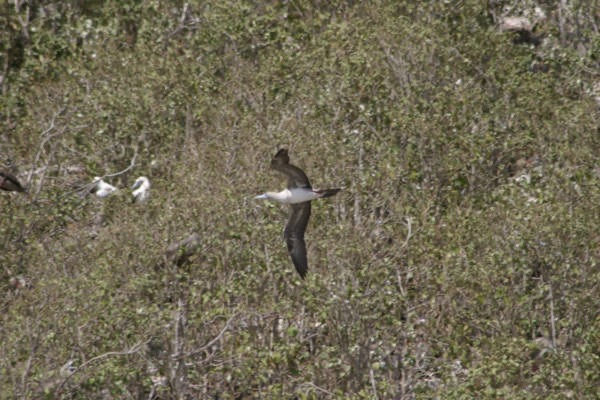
(294, 236)
(9, 183)
(295, 176)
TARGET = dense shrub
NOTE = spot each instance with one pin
(459, 261)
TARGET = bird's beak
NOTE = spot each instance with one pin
(261, 196)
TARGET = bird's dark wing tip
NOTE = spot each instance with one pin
(281, 153)
(297, 250)
(302, 272)
(281, 157)
(324, 193)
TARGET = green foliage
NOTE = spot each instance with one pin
(460, 261)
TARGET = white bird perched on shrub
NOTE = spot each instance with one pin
(101, 188)
(141, 189)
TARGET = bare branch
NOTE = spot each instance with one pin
(27, 369)
(562, 9)
(180, 24)
(408, 224)
(552, 323)
(132, 350)
(24, 22)
(216, 339)
(131, 165)
(318, 388)
(373, 383)
(46, 138)
(178, 371)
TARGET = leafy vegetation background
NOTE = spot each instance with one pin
(461, 261)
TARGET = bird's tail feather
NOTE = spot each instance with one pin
(327, 192)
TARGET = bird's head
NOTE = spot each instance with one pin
(142, 180)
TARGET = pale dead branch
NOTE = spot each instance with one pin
(131, 165)
(408, 224)
(317, 388)
(213, 341)
(132, 350)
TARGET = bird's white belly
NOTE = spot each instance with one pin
(300, 195)
(105, 191)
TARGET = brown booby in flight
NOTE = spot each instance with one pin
(298, 195)
(9, 183)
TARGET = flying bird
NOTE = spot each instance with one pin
(10, 184)
(141, 190)
(298, 195)
(101, 188)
